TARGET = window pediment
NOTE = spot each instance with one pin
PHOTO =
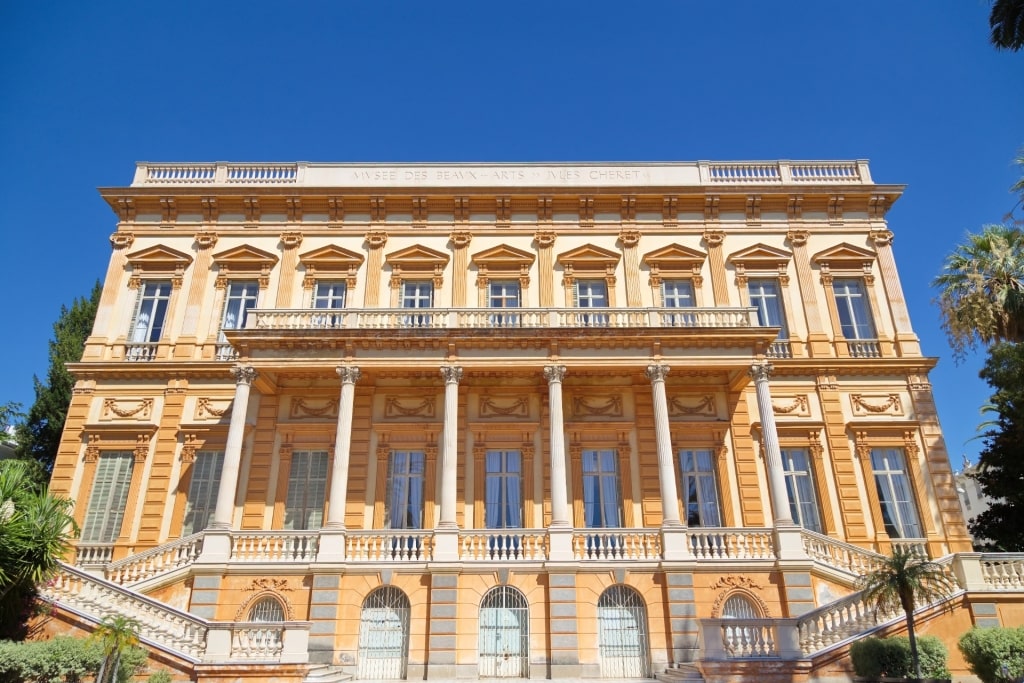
(244, 260)
(845, 256)
(503, 258)
(160, 260)
(761, 257)
(674, 260)
(416, 261)
(589, 258)
(333, 260)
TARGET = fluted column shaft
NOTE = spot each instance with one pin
(559, 503)
(450, 447)
(342, 448)
(663, 440)
(224, 513)
(770, 436)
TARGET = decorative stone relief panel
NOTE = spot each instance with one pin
(212, 408)
(792, 405)
(692, 406)
(603, 406)
(504, 406)
(876, 404)
(312, 408)
(127, 409)
(410, 406)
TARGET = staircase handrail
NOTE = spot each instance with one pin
(161, 625)
(116, 571)
(868, 556)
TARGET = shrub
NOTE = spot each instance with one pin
(161, 676)
(61, 660)
(878, 657)
(988, 649)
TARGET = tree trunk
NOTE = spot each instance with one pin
(915, 660)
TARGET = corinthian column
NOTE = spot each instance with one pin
(449, 447)
(559, 505)
(666, 468)
(342, 448)
(225, 511)
(760, 372)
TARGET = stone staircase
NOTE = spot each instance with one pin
(681, 673)
(325, 673)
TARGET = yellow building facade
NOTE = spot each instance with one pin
(506, 420)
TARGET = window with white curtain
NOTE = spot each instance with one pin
(405, 490)
(202, 491)
(899, 512)
(148, 323)
(329, 295)
(803, 505)
(700, 488)
(852, 305)
(602, 499)
(109, 495)
(592, 294)
(764, 296)
(503, 490)
(241, 298)
(417, 294)
(307, 486)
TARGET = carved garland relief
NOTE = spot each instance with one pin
(127, 409)
(796, 405)
(683, 407)
(212, 408)
(504, 406)
(395, 406)
(313, 408)
(876, 404)
(605, 406)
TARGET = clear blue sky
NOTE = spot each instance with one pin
(88, 89)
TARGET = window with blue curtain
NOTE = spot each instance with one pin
(503, 490)
(602, 500)
(700, 489)
(899, 512)
(803, 505)
(405, 490)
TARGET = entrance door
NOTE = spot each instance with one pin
(504, 634)
(622, 633)
(384, 635)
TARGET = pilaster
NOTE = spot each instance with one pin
(684, 630)
(565, 655)
(442, 625)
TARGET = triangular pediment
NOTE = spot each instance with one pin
(417, 257)
(674, 257)
(503, 257)
(589, 256)
(844, 255)
(331, 257)
(245, 257)
(761, 257)
(158, 258)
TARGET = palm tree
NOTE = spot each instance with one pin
(1007, 23)
(116, 634)
(900, 581)
(981, 297)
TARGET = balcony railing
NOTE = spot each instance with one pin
(500, 319)
(864, 348)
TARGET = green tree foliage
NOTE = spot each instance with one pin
(1001, 463)
(900, 581)
(890, 657)
(35, 529)
(117, 636)
(988, 650)
(62, 660)
(1007, 23)
(981, 289)
(39, 436)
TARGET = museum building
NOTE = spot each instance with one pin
(539, 421)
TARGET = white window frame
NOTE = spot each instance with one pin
(803, 501)
(151, 309)
(405, 483)
(766, 296)
(678, 293)
(503, 489)
(249, 294)
(852, 301)
(589, 292)
(896, 498)
(602, 488)
(704, 487)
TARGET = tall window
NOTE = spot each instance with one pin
(148, 323)
(109, 495)
(592, 294)
(307, 485)
(899, 513)
(241, 299)
(504, 294)
(329, 295)
(417, 294)
(405, 490)
(852, 304)
(803, 506)
(602, 500)
(764, 296)
(202, 491)
(677, 294)
(699, 491)
(504, 501)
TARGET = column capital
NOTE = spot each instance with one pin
(554, 373)
(244, 374)
(656, 372)
(348, 374)
(882, 238)
(452, 374)
(761, 371)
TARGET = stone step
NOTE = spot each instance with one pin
(325, 673)
(681, 673)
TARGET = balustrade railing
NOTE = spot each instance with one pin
(274, 546)
(483, 318)
(918, 546)
(780, 349)
(398, 545)
(261, 173)
(91, 554)
(527, 545)
(226, 352)
(865, 348)
(1003, 571)
(731, 544)
(163, 558)
(850, 558)
(257, 641)
(140, 352)
(158, 623)
(616, 544)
